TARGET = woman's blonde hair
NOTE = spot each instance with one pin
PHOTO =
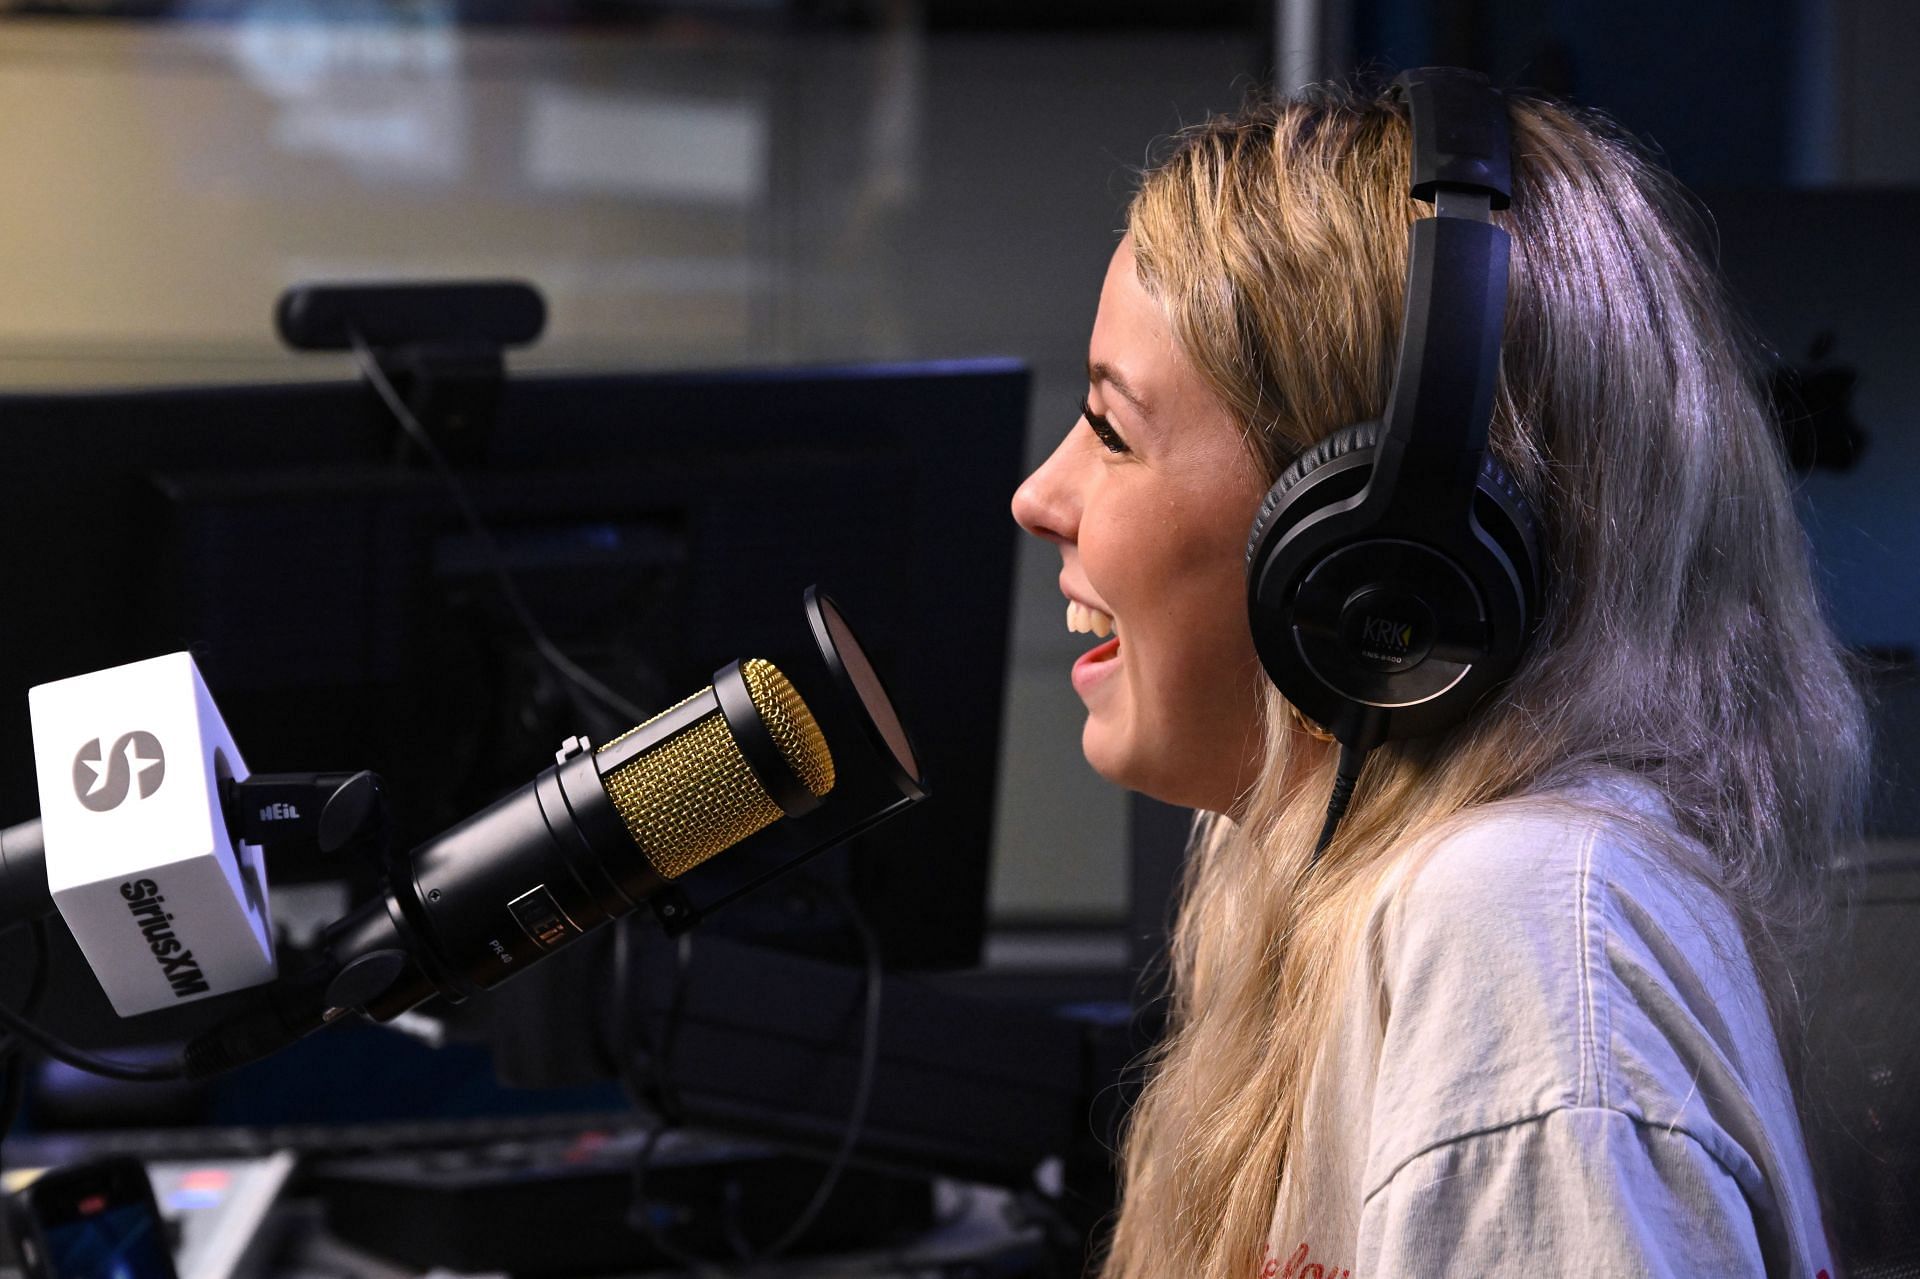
(1682, 638)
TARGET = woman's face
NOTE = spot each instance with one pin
(1149, 499)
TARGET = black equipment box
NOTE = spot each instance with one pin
(569, 1207)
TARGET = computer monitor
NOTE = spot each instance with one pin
(658, 526)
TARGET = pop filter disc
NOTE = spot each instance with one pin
(860, 684)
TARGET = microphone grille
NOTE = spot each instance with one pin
(695, 795)
(791, 725)
(690, 797)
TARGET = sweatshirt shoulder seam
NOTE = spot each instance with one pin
(1461, 1138)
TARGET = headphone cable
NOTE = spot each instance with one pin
(1352, 759)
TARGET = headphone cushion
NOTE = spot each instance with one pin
(1363, 435)
(1495, 479)
(1332, 448)
(1494, 482)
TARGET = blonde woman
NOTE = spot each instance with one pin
(1532, 1010)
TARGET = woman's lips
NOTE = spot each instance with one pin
(1096, 665)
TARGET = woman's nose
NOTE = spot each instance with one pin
(1047, 503)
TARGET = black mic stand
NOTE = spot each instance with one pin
(332, 810)
(24, 896)
(362, 958)
(366, 960)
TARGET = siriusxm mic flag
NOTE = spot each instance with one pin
(165, 906)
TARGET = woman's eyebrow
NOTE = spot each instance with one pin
(1099, 371)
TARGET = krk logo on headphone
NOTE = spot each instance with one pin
(1385, 640)
(136, 753)
(1386, 633)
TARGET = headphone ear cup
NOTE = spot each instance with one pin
(1292, 485)
(1329, 473)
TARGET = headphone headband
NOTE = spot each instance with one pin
(1459, 134)
(1442, 397)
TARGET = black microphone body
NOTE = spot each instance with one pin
(586, 841)
(528, 874)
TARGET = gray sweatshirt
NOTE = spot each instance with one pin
(1553, 1059)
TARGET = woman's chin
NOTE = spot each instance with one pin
(1107, 750)
(1116, 756)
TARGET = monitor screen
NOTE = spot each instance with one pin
(657, 526)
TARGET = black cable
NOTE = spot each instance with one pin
(655, 1090)
(863, 1091)
(13, 1059)
(665, 1091)
(640, 1218)
(628, 1035)
(850, 1135)
(127, 1071)
(658, 1092)
(569, 670)
(1347, 776)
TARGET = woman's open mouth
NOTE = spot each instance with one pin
(1097, 663)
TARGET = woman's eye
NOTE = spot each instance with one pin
(1102, 429)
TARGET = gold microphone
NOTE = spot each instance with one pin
(706, 779)
(590, 838)
(586, 841)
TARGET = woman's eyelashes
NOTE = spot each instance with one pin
(1102, 428)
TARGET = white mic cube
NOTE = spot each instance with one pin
(165, 905)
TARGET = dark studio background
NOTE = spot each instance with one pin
(739, 183)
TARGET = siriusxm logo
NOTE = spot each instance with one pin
(155, 922)
(135, 755)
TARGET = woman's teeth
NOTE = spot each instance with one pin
(1082, 618)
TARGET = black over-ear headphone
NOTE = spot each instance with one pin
(1393, 573)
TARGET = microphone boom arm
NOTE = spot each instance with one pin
(24, 895)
